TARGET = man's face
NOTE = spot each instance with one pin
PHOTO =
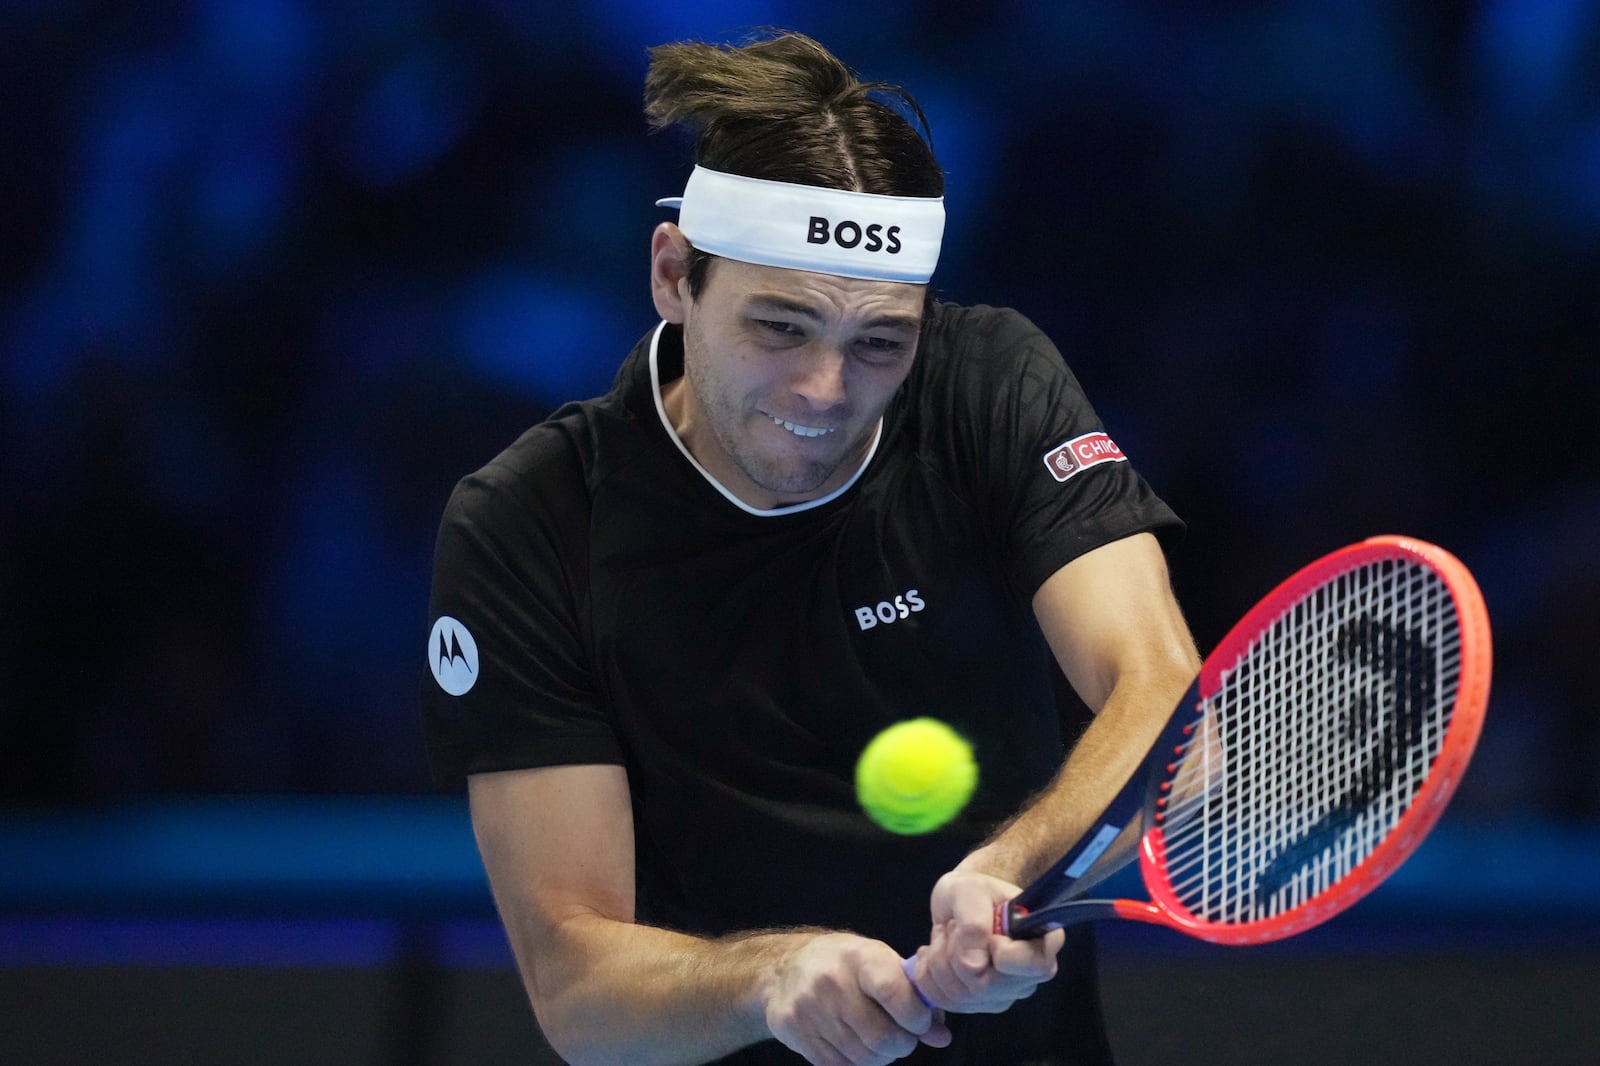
(786, 374)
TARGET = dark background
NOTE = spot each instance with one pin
(273, 274)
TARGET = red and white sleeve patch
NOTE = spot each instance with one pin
(1080, 453)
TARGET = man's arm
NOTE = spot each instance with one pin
(1116, 629)
(1120, 637)
(558, 847)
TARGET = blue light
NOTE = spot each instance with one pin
(411, 114)
(557, 339)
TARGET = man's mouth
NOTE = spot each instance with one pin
(799, 430)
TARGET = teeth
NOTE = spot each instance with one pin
(799, 431)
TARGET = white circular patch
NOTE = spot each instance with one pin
(452, 656)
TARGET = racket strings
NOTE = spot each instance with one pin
(1314, 745)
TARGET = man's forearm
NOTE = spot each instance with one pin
(1107, 754)
(613, 992)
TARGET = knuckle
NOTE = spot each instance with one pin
(892, 1044)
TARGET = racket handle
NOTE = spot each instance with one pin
(910, 967)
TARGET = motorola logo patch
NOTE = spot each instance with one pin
(452, 656)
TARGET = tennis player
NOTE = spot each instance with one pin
(816, 501)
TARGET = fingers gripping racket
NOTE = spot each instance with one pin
(1316, 749)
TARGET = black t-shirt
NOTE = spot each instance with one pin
(598, 598)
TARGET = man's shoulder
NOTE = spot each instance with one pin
(976, 350)
(556, 463)
(547, 466)
(979, 327)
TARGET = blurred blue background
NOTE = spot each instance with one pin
(273, 274)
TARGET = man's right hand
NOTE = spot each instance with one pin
(969, 968)
(843, 1000)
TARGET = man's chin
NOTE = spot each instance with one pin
(794, 486)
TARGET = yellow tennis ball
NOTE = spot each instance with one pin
(915, 776)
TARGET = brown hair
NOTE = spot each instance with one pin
(783, 108)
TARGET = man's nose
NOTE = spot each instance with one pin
(819, 376)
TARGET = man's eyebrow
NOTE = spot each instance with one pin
(908, 321)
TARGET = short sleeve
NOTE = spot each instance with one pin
(1049, 476)
(508, 682)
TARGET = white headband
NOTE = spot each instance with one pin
(806, 227)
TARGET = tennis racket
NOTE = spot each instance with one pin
(1317, 747)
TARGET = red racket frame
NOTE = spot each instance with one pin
(1461, 737)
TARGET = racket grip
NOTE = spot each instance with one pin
(910, 968)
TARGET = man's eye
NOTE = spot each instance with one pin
(882, 350)
(786, 329)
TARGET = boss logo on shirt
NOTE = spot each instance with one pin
(888, 612)
(1080, 453)
(848, 234)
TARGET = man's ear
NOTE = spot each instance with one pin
(669, 272)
